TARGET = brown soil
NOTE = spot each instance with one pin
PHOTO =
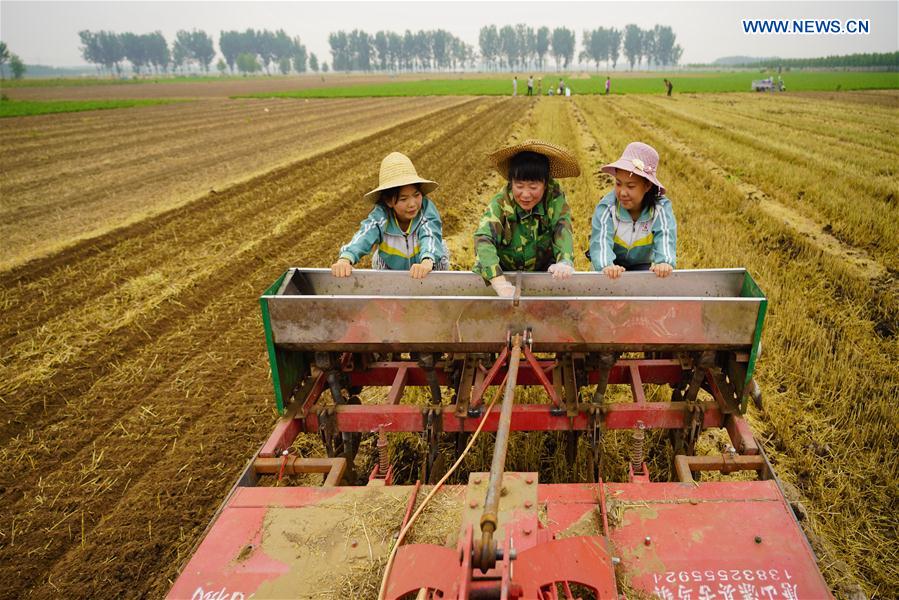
(889, 98)
(134, 377)
(75, 176)
(133, 373)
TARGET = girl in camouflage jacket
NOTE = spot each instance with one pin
(527, 225)
(403, 229)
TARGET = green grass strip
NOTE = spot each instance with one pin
(684, 82)
(26, 108)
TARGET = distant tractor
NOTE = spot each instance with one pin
(768, 85)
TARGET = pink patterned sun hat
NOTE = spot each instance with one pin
(640, 159)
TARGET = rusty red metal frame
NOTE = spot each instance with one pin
(398, 375)
(334, 468)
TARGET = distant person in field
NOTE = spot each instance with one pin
(633, 226)
(608, 85)
(515, 85)
(403, 229)
(530, 85)
(668, 86)
(561, 87)
(527, 225)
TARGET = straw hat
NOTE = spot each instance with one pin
(561, 162)
(396, 171)
(640, 159)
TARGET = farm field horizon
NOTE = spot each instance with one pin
(135, 382)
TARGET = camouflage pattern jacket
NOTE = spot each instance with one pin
(512, 239)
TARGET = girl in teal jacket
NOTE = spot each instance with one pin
(633, 226)
(403, 230)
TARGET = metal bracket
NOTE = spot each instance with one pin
(327, 429)
(594, 430)
(433, 421)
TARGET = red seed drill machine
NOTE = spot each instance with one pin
(697, 331)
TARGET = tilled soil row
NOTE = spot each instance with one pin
(871, 234)
(112, 172)
(181, 250)
(827, 418)
(229, 322)
(122, 145)
(142, 182)
(41, 131)
(83, 274)
(863, 264)
(69, 275)
(864, 136)
(824, 137)
(164, 88)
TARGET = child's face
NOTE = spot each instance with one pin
(407, 204)
(528, 193)
(630, 188)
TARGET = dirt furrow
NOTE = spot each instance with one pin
(186, 242)
(826, 137)
(120, 140)
(37, 132)
(66, 277)
(820, 390)
(865, 265)
(168, 146)
(177, 180)
(223, 312)
(787, 174)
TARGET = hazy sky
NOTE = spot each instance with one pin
(47, 32)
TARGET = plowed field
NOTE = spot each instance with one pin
(133, 377)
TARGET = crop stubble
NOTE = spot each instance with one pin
(156, 410)
(829, 366)
(160, 391)
(119, 167)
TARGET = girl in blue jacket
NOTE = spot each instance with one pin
(403, 229)
(633, 226)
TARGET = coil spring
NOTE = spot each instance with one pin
(383, 456)
(637, 441)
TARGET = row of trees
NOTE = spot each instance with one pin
(15, 63)
(877, 59)
(242, 49)
(148, 51)
(391, 51)
(657, 46)
(508, 47)
(247, 51)
(520, 46)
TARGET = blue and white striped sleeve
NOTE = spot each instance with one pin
(602, 237)
(664, 245)
(430, 233)
(368, 235)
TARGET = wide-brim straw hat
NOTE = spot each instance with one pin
(562, 163)
(396, 171)
(640, 159)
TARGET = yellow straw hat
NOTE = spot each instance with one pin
(561, 162)
(396, 171)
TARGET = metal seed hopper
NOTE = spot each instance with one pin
(514, 536)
